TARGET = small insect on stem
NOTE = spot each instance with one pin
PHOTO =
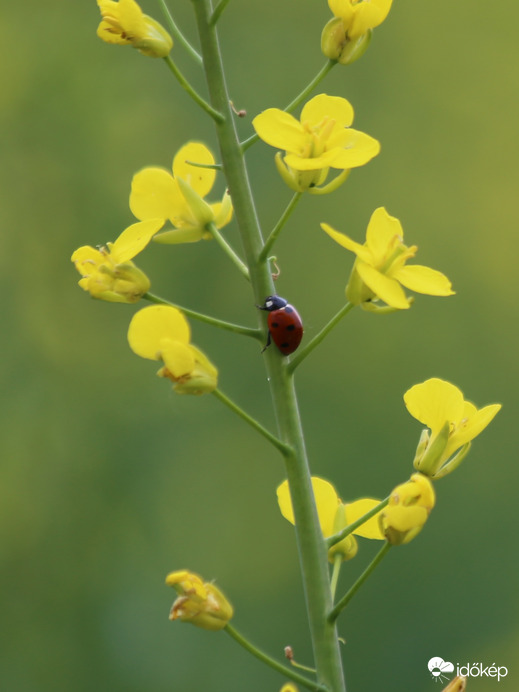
(284, 324)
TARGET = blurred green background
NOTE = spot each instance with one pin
(108, 480)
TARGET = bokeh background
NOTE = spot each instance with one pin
(108, 480)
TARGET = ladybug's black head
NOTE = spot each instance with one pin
(274, 303)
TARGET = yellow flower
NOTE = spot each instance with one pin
(201, 604)
(124, 23)
(321, 140)
(334, 515)
(453, 423)
(406, 513)
(289, 687)
(108, 273)
(380, 269)
(161, 332)
(179, 197)
(359, 16)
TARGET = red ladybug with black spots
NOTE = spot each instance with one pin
(285, 325)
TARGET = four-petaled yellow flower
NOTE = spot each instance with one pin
(179, 197)
(125, 24)
(453, 423)
(359, 16)
(335, 516)
(161, 332)
(408, 509)
(380, 269)
(108, 272)
(320, 140)
(200, 603)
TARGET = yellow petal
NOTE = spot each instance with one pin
(371, 527)
(151, 325)
(177, 357)
(367, 16)
(341, 8)
(346, 242)
(154, 194)
(280, 130)
(134, 239)
(86, 260)
(326, 500)
(424, 280)
(383, 287)
(470, 426)
(358, 149)
(434, 402)
(331, 107)
(199, 178)
(383, 234)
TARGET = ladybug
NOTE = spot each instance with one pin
(285, 325)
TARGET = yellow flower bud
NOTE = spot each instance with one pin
(201, 604)
(125, 24)
(337, 45)
(409, 506)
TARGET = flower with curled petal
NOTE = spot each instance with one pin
(108, 272)
(199, 603)
(453, 423)
(380, 269)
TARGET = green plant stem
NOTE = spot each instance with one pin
(336, 610)
(306, 350)
(311, 86)
(269, 661)
(337, 563)
(277, 229)
(221, 324)
(218, 11)
(211, 227)
(178, 34)
(312, 551)
(298, 99)
(337, 537)
(283, 448)
(215, 115)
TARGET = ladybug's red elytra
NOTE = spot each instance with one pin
(285, 325)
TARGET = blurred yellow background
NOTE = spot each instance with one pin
(108, 480)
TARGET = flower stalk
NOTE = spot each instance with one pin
(312, 550)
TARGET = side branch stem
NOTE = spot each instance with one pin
(334, 613)
(178, 34)
(304, 352)
(283, 448)
(221, 324)
(215, 115)
(284, 670)
(277, 229)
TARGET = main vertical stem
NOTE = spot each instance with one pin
(312, 549)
